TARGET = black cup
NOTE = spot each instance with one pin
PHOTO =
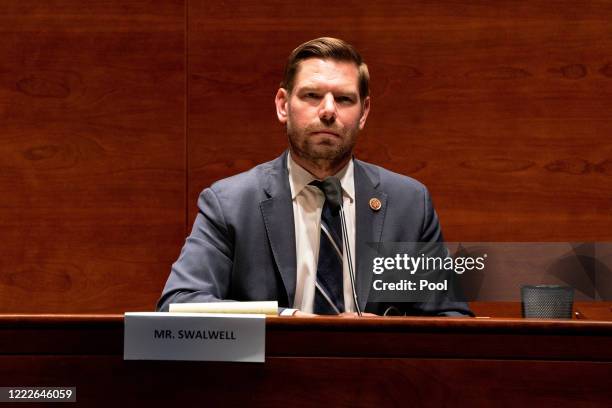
(547, 301)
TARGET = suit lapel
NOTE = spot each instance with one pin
(369, 225)
(277, 212)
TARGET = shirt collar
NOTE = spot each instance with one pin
(299, 178)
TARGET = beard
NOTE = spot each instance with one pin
(315, 149)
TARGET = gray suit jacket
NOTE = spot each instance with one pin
(242, 246)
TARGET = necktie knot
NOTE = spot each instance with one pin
(332, 189)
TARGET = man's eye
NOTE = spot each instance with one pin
(344, 99)
(311, 95)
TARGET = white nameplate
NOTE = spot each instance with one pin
(194, 337)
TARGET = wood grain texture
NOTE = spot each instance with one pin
(92, 157)
(344, 362)
(502, 109)
(338, 382)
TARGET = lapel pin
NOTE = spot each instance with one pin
(375, 204)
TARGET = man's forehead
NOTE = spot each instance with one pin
(314, 72)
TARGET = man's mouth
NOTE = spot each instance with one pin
(325, 132)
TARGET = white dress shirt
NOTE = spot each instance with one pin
(307, 207)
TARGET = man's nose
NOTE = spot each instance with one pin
(327, 113)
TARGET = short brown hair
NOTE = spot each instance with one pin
(327, 48)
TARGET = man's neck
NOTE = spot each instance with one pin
(321, 169)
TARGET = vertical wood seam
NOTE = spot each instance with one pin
(186, 106)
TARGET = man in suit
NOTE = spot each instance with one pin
(260, 235)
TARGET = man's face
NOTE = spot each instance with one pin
(323, 112)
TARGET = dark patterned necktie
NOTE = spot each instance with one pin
(329, 293)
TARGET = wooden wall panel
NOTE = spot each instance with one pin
(502, 109)
(92, 162)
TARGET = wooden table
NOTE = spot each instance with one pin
(327, 361)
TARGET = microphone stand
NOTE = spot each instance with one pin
(333, 192)
(350, 259)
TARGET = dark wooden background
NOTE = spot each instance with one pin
(115, 114)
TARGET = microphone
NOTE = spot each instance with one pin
(333, 193)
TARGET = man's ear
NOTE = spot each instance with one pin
(364, 113)
(282, 101)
